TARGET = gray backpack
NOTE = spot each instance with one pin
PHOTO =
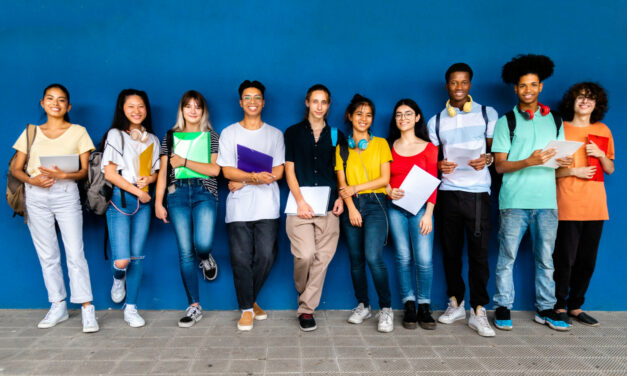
(98, 189)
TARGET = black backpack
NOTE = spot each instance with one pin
(511, 123)
(98, 189)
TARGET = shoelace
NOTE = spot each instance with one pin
(385, 315)
(52, 311)
(207, 264)
(450, 309)
(482, 319)
(117, 283)
(192, 311)
(359, 309)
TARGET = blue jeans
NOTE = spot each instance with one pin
(542, 224)
(409, 243)
(127, 235)
(192, 210)
(365, 244)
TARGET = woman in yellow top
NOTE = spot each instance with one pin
(581, 199)
(52, 196)
(362, 186)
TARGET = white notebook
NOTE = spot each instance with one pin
(316, 197)
(65, 163)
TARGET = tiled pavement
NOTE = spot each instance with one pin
(277, 347)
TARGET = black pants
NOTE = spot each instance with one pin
(456, 215)
(253, 251)
(574, 258)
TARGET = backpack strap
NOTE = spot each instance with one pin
(557, 118)
(484, 113)
(437, 127)
(169, 141)
(344, 154)
(511, 124)
(31, 133)
(333, 136)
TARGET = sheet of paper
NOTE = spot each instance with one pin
(316, 197)
(463, 156)
(564, 148)
(145, 163)
(193, 146)
(65, 163)
(251, 160)
(418, 186)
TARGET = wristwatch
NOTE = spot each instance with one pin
(490, 157)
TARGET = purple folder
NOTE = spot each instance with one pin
(251, 160)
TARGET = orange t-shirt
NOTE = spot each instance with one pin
(581, 199)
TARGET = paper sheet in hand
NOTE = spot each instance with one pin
(316, 197)
(65, 163)
(193, 146)
(251, 160)
(145, 163)
(463, 156)
(418, 186)
(564, 148)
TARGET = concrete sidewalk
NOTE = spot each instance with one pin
(277, 347)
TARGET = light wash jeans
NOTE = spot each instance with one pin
(192, 210)
(127, 235)
(542, 224)
(59, 203)
(410, 244)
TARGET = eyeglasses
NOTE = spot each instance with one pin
(406, 115)
(583, 98)
(250, 98)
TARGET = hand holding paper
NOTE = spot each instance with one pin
(418, 186)
(562, 149)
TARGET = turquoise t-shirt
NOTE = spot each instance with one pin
(531, 187)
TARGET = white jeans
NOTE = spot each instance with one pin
(60, 202)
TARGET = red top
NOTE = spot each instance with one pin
(426, 159)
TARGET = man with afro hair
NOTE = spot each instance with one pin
(527, 199)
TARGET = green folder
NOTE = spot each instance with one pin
(195, 146)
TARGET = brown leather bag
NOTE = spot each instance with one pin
(15, 188)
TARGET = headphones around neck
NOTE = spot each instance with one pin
(452, 111)
(528, 115)
(138, 134)
(362, 144)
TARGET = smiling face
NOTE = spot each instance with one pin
(528, 89)
(318, 105)
(458, 86)
(406, 118)
(135, 110)
(584, 105)
(252, 101)
(55, 103)
(192, 112)
(361, 118)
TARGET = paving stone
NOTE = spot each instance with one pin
(96, 367)
(320, 365)
(283, 365)
(170, 367)
(133, 367)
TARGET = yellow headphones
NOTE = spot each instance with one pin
(451, 110)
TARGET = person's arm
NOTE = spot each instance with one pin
(210, 169)
(353, 214)
(18, 171)
(381, 181)
(304, 210)
(607, 164)
(586, 172)
(56, 174)
(426, 222)
(162, 181)
(112, 176)
(538, 157)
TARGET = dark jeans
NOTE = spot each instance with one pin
(574, 258)
(253, 251)
(456, 217)
(365, 244)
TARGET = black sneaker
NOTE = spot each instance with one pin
(424, 317)
(552, 319)
(409, 316)
(307, 322)
(193, 314)
(563, 316)
(209, 268)
(503, 318)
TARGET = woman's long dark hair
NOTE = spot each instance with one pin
(120, 120)
(420, 129)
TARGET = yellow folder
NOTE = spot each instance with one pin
(145, 163)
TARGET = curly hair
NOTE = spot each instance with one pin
(589, 90)
(525, 64)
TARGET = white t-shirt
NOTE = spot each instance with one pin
(252, 202)
(127, 160)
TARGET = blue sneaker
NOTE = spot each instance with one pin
(552, 319)
(502, 318)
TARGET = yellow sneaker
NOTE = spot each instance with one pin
(260, 314)
(246, 321)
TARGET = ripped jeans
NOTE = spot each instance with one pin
(127, 235)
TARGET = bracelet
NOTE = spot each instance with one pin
(244, 182)
(491, 157)
(185, 164)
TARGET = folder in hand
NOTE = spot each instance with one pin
(145, 163)
(193, 146)
(250, 160)
(602, 143)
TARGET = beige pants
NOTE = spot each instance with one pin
(314, 242)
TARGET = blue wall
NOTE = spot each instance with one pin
(384, 51)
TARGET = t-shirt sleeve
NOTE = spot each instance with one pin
(215, 143)
(501, 142)
(20, 144)
(164, 146)
(432, 168)
(432, 135)
(492, 118)
(289, 145)
(113, 150)
(84, 143)
(227, 156)
(278, 157)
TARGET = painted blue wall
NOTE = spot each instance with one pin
(384, 51)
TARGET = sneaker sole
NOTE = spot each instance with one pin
(542, 321)
(135, 325)
(189, 324)
(473, 327)
(385, 330)
(212, 278)
(261, 317)
(359, 322)
(500, 327)
(446, 321)
(93, 329)
(244, 328)
(427, 326)
(409, 325)
(308, 329)
(47, 326)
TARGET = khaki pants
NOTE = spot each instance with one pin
(314, 242)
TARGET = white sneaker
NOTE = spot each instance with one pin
(88, 315)
(453, 312)
(56, 314)
(193, 314)
(386, 320)
(480, 323)
(360, 313)
(118, 290)
(132, 317)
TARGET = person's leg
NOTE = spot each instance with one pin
(584, 263)
(204, 221)
(119, 228)
(241, 244)
(543, 229)
(140, 224)
(400, 235)
(266, 249)
(450, 223)
(354, 237)
(566, 245)
(302, 240)
(422, 246)
(478, 267)
(514, 223)
(375, 232)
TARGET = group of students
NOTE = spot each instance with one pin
(364, 174)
